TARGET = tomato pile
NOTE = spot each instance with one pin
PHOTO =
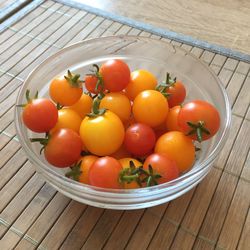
(127, 131)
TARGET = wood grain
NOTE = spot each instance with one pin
(34, 215)
(226, 23)
(236, 216)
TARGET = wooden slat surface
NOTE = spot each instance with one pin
(214, 214)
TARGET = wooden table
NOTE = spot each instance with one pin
(215, 214)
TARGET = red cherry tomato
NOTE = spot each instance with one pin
(63, 148)
(163, 166)
(199, 119)
(40, 115)
(139, 139)
(115, 74)
(177, 94)
(90, 84)
(104, 172)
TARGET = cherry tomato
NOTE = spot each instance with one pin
(67, 118)
(40, 115)
(83, 105)
(122, 152)
(163, 166)
(177, 94)
(139, 139)
(140, 80)
(172, 119)
(102, 135)
(63, 148)
(80, 171)
(178, 148)
(150, 107)
(104, 172)
(66, 90)
(118, 103)
(199, 119)
(127, 178)
(115, 74)
(90, 84)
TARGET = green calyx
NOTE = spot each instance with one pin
(130, 174)
(28, 98)
(73, 79)
(96, 111)
(75, 171)
(151, 178)
(43, 141)
(198, 129)
(165, 85)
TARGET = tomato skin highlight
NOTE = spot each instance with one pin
(139, 139)
(104, 173)
(177, 147)
(196, 111)
(40, 115)
(140, 80)
(162, 165)
(63, 148)
(177, 94)
(115, 74)
(150, 107)
(102, 135)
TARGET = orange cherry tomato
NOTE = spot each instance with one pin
(140, 80)
(67, 118)
(118, 103)
(66, 90)
(150, 107)
(172, 119)
(86, 162)
(177, 147)
(80, 171)
(126, 173)
(83, 105)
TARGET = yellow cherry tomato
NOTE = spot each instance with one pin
(177, 147)
(125, 162)
(68, 118)
(66, 90)
(83, 105)
(102, 135)
(150, 107)
(140, 80)
(118, 103)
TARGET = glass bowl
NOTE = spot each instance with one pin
(139, 52)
